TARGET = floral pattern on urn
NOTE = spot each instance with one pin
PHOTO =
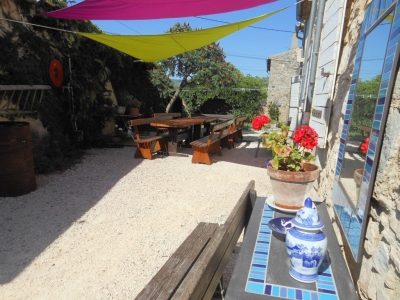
(306, 244)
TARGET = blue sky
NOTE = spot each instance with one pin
(246, 49)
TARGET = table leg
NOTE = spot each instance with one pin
(196, 132)
(173, 144)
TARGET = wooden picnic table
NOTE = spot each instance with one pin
(187, 129)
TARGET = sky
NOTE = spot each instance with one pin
(247, 49)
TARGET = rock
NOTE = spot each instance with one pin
(373, 237)
(381, 258)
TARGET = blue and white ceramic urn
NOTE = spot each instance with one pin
(306, 243)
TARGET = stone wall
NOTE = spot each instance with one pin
(380, 266)
(283, 68)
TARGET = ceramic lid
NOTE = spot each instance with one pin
(308, 217)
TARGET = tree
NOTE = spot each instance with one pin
(248, 96)
(364, 104)
(203, 72)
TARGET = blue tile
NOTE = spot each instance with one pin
(376, 124)
(325, 280)
(394, 33)
(257, 276)
(275, 291)
(314, 296)
(268, 289)
(382, 93)
(283, 292)
(326, 287)
(386, 75)
(387, 68)
(327, 297)
(384, 84)
(306, 295)
(379, 108)
(291, 293)
(256, 280)
(327, 291)
(253, 287)
(389, 59)
(391, 50)
(381, 100)
(299, 295)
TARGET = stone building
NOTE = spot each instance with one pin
(282, 67)
(342, 39)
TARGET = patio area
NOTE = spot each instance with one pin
(102, 229)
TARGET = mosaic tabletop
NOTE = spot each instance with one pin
(262, 270)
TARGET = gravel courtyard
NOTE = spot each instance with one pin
(103, 228)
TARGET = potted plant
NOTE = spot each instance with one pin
(290, 169)
(133, 106)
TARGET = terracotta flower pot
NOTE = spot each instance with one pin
(290, 189)
(133, 111)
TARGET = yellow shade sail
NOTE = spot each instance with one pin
(151, 48)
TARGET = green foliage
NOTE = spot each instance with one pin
(25, 58)
(203, 71)
(248, 96)
(273, 111)
(364, 104)
(286, 156)
(53, 153)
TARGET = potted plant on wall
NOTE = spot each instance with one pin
(290, 169)
(133, 106)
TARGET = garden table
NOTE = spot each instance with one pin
(262, 268)
(187, 129)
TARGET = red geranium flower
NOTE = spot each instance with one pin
(306, 137)
(259, 122)
(364, 146)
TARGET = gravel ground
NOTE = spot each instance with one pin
(103, 228)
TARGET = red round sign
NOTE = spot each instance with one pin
(56, 72)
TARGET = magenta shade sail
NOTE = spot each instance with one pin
(150, 9)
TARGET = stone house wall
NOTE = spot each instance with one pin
(379, 276)
(283, 68)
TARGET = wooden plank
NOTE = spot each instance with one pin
(24, 87)
(173, 115)
(201, 281)
(221, 125)
(164, 283)
(145, 121)
(222, 117)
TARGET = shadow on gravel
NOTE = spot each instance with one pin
(244, 153)
(31, 223)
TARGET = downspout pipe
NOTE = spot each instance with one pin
(306, 38)
(314, 55)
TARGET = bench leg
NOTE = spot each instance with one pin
(215, 148)
(235, 137)
(200, 155)
(143, 150)
(227, 142)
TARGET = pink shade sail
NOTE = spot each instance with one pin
(150, 9)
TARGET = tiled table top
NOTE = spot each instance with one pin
(262, 269)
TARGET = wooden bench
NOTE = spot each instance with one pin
(144, 146)
(220, 117)
(196, 267)
(237, 132)
(203, 147)
(365, 131)
(234, 133)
